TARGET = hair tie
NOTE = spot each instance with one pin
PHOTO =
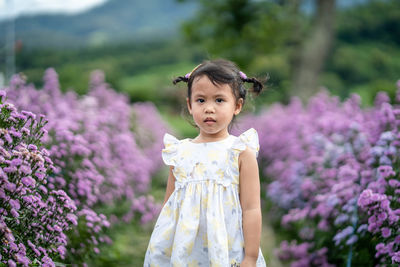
(242, 75)
(187, 76)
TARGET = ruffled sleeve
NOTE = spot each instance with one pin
(170, 151)
(247, 139)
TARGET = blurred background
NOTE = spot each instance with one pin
(301, 46)
(344, 45)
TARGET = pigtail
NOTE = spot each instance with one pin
(180, 79)
(257, 85)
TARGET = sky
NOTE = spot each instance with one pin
(12, 8)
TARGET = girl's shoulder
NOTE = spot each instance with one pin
(248, 139)
(171, 144)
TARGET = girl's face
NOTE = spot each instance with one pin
(212, 107)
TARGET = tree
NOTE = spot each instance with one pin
(314, 50)
(242, 30)
(237, 29)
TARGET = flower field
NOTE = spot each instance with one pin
(72, 168)
(66, 158)
(331, 175)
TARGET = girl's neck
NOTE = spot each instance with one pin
(207, 138)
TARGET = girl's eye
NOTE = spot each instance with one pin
(219, 100)
(200, 100)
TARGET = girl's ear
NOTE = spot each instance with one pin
(239, 105)
(188, 105)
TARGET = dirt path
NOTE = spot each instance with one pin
(269, 244)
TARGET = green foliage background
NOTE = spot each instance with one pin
(365, 57)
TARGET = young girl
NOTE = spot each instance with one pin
(211, 214)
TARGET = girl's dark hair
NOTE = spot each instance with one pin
(221, 71)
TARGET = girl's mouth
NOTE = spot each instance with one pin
(209, 121)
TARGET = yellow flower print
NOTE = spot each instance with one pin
(229, 202)
(174, 246)
(234, 263)
(205, 240)
(179, 172)
(168, 251)
(204, 200)
(186, 153)
(230, 241)
(189, 190)
(199, 169)
(220, 173)
(189, 247)
(167, 211)
(213, 155)
(215, 264)
(193, 263)
(151, 247)
(167, 234)
(176, 264)
(196, 212)
(217, 225)
(185, 228)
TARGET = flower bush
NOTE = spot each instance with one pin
(149, 129)
(33, 218)
(327, 168)
(380, 201)
(100, 158)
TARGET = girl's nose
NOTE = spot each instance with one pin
(209, 108)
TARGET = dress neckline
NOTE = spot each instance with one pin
(212, 142)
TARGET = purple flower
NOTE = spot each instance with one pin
(32, 147)
(382, 216)
(16, 162)
(353, 239)
(394, 183)
(386, 171)
(28, 181)
(10, 187)
(14, 213)
(72, 218)
(13, 246)
(386, 232)
(10, 169)
(3, 95)
(25, 169)
(43, 189)
(39, 175)
(47, 262)
(11, 263)
(22, 259)
(14, 203)
(28, 114)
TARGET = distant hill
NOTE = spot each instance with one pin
(114, 21)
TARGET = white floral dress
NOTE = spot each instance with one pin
(201, 222)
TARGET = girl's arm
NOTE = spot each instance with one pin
(250, 201)
(170, 185)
